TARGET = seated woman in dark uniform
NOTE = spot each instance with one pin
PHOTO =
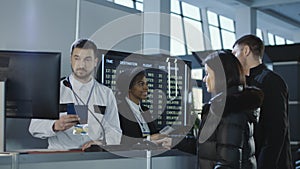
(136, 121)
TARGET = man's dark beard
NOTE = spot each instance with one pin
(82, 77)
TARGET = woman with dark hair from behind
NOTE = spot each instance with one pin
(136, 121)
(226, 128)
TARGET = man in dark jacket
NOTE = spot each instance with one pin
(272, 137)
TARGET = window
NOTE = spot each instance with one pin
(139, 5)
(197, 74)
(128, 3)
(278, 40)
(289, 42)
(175, 7)
(193, 32)
(190, 11)
(259, 33)
(228, 39)
(271, 39)
(177, 43)
(136, 4)
(222, 31)
(227, 23)
(212, 18)
(197, 99)
(215, 37)
(186, 29)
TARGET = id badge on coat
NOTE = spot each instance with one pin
(81, 129)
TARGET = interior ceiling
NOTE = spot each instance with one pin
(285, 10)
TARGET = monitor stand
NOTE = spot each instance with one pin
(2, 116)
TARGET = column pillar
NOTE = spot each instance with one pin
(156, 38)
(246, 21)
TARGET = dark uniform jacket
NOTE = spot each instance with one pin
(226, 130)
(272, 137)
(131, 130)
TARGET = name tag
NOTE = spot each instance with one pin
(81, 129)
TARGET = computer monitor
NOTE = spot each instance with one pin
(32, 83)
(168, 82)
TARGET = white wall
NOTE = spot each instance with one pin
(112, 27)
(37, 25)
(50, 25)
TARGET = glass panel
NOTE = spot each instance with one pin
(212, 18)
(139, 6)
(259, 33)
(289, 42)
(128, 3)
(228, 39)
(177, 46)
(194, 35)
(227, 23)
(190, 11)
(279, 40)
(215, 37)
(271, 39)
(175, 6)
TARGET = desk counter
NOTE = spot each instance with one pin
(135, 159)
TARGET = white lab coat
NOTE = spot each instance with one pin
(64, 140)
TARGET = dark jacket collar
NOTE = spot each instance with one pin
(257, 70)
(250, 98)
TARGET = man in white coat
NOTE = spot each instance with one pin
(91, 100)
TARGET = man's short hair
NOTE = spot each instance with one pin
(255, 44)
(85, 44)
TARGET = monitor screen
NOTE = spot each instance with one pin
(168, 83)
(32, 82)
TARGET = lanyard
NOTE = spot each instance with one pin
(145, 128)
(137, 112)
(139, 118)
(77, 97)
